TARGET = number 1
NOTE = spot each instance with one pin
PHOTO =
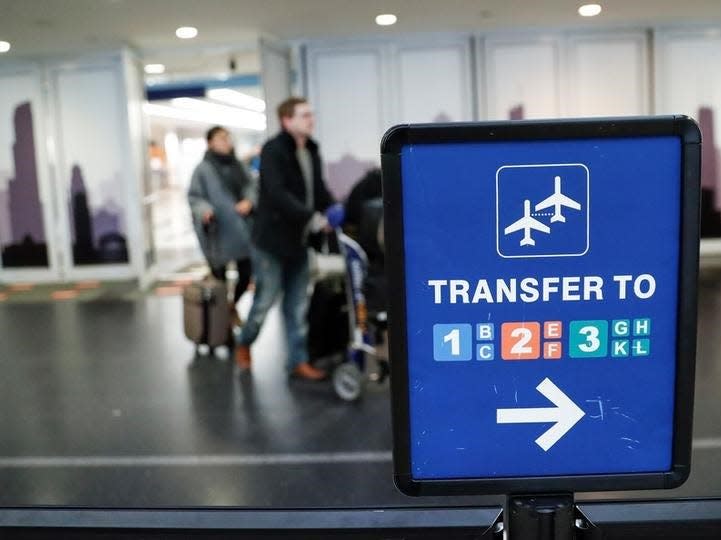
(454, 336)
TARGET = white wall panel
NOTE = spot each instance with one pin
(137, 167)
(522, 74)
(607, 75)
(688, 81)
(686, 73)
(346, 89)
(94, 165)
(276, 79)
(434, 84)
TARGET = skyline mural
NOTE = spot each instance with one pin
(345, 173)
(23, 229)
(92, 128)
(98, 234)
(516, 113)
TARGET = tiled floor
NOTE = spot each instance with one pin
(105, 404)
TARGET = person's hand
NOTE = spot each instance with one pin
(335, 214)
(318, 223)
(244, 207)
(208, 217)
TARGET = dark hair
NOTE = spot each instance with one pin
(212, 132)
(287, 108)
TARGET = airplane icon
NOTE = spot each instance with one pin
(527, 223)
(557, 200)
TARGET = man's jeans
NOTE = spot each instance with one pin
(275, 276)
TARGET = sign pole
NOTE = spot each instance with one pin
(544, 517)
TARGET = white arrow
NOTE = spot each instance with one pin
(565, 413)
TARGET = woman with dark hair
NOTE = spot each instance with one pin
(222, 197)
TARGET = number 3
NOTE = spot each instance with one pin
(592, 342)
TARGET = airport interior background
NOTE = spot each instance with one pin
(104, 106)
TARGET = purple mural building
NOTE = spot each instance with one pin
(96, 236)
(83, 249)
(106, 221)
(442, 118)
(26, 215)
(516, 113)
(710, 192)
(5, 232)
(27, 231)
(345, 173)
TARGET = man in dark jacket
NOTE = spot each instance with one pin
(292, 197)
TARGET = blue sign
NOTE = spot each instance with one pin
(541, 284)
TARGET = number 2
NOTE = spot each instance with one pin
(521, 340)
(521, 346)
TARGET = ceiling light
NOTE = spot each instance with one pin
(198, 110)
(589, 10)
(186, 32)
(249, 120)
(386, 19)
(154, 69)
(4, 46)
(238, 99)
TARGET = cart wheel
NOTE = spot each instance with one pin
(348, 381)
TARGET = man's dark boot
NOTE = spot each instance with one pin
(242, 357)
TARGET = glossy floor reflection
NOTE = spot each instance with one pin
(105, 404)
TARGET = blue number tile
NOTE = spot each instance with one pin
(641, 347)
(485, 332)
(485, 352)
(642, 327)
(452, 342)
(620, 348)
(621, 328)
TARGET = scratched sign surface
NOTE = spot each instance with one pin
(541, 287)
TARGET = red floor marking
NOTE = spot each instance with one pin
(21, 287)
(168, 291)
(84, 285)
(64, 295)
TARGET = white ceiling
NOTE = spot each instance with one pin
(42, 27)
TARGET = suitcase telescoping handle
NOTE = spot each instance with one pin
(211, 233)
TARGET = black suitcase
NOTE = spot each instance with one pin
(328, 332)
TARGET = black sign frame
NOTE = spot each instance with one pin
(391, 146)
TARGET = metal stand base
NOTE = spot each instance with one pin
(544, 517)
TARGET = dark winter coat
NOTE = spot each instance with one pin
(282, 213)
(211, 190)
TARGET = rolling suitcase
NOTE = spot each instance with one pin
(206, 317)
(206, 314)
